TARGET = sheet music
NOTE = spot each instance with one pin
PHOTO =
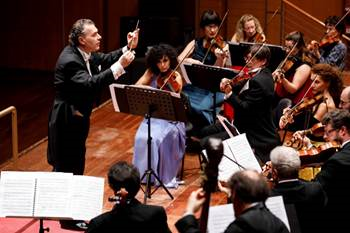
(239, 150)
(50, 195)
(114, 98)
(276, 206)
(87, 202)
(222, 215)
(19, 201)
(53, 194)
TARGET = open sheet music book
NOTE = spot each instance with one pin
(222, 215)
(50, 195)
(239, 150)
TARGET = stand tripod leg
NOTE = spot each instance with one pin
(41, 226)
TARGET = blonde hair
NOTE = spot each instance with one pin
(239, 34)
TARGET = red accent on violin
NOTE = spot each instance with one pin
(168, 81)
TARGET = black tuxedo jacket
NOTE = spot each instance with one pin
(335, 180)
(75, 93)
(308, 198)
(135, 217)
(253, 113)
(253, 220)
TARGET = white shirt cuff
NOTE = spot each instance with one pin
(227, 95)
(117, 70)
(124, 49)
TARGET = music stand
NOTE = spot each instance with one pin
(239, 50)
(148, 102)
(207, 77)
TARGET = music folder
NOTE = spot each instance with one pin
(205, 76)
(239, 50)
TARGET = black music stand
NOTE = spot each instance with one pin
(207, 77)
(239, 50)
(149, 102)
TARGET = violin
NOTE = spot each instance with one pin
(306, 103)
(168, 81)
(295, 142)
(216, 42)
(258, 38)
(319, 153)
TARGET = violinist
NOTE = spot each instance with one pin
(128, 214)
(248, 29)
(201, 100)
(252, 101)
(331, 50)
(168, 144)
(334, 175)
(344, 102)
(308, 197)
(326, 89)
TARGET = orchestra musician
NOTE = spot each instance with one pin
(128, 214)
(248, 29)
(293, 77)
(252, 101)
(201, 100)
(334, 175)
(248, 191)
(307, 197)
(326, 88)
(168, 137)
(331, 50)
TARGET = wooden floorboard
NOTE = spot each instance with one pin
(110, 140)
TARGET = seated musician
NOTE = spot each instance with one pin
(293, 77)
(168, 137)
(334, 176)
(201, 100)
(128, 214)
(248, 191)
(326, 88)
(252, 101)
(248, 29)
(308, 197)
(331, 50)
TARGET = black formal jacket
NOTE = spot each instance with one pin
(76, 90)
(134, 217)
(253, 113)
(335, 180)
(308, 198)
(253, 220)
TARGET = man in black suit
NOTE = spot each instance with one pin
(308, 197)
(248, 190)
(80, 74)
(335, 172)
(252, 102)
(128, 215)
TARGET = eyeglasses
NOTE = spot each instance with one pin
(328, 132)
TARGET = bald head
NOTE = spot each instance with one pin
(345, 99)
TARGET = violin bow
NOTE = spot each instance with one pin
(268, 22)
(343, 17)
(137, 26)
(288, 55)
(213, 40)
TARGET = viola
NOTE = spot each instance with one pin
(319, 153)
(168, 81)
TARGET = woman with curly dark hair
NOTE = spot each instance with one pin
(168, 137)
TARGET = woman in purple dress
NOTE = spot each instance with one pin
(168, 137)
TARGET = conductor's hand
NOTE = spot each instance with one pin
(225, 85)
(195, 201)
(126, 58)
(133, 39)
